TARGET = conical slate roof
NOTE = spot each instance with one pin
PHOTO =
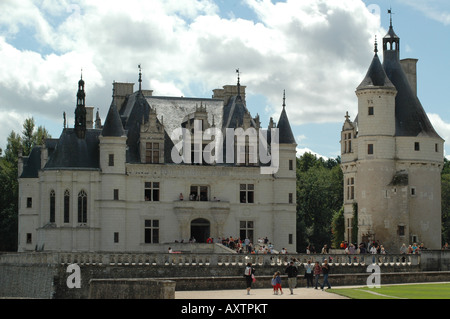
(113, 125)
(376, 76)
(284, 129)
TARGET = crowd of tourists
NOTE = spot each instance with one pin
(375, 247)
(294, 271)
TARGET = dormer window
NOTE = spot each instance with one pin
(152, 153)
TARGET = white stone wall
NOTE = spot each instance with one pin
(272, 214)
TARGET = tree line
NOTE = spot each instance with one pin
(9, 187)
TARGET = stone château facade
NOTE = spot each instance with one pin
(128, 185)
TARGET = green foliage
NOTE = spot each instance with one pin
(319, 196)
(445, 196)
(338, 227)
(8, 180)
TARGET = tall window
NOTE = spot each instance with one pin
(151, 231)
(52, 206)
(66, 206)
(82, 207)
(351, 188)
(151, 191)
(246, 228)
(152, 153)
(246, 193)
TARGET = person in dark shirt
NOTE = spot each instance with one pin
(325, 271)
(292, 272)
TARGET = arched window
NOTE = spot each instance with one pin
(52, 206)
(66, 206)
(82, 207)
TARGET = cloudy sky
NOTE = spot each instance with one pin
(316, 50)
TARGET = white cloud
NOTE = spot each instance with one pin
(441, 127)
(317, 50)
(438, 10)
(301, 151)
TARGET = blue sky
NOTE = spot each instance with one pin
(318, 51)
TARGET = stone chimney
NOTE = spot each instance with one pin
(89, 117)
(410, 68)
(228, 91)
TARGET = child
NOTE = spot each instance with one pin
(274, 283)
(278, 283)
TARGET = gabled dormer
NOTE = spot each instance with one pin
(151, 139)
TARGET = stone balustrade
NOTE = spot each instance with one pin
(205, 259)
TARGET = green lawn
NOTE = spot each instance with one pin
(415, 291)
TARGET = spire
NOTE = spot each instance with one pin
(80, 111)
(284, 127)
(140, 78)
(376, 46)
(238, 84)
(390, 14)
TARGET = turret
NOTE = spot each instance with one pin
(80, 111)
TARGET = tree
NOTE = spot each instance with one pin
(319, 196)
(8, 180)
(445, 201)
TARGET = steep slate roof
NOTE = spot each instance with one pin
(113, 124)
(72, 152)
(375, 76)
(32, 163)
(284, 129)
(410, 117)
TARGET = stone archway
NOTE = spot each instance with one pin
(200, 230)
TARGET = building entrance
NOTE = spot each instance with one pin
(200, 230)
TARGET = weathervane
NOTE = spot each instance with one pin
(390, 14)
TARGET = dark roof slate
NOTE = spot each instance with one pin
(410, 117)
(284, 129)
(375, 76)
(113, 124)
(72, 152)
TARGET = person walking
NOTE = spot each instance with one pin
(325, 272)
(249, 274)
(309, 270)
(292, 272)
(317, 271)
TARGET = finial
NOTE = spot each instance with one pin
(390, 13)
(64, 116)
(140, 77)
(113, 89)
(376, 45)
(284, 99)
(347, 117)
(238, 83)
